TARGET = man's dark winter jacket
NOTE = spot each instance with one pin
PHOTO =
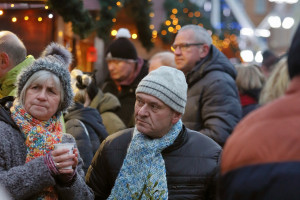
(213, 107)
(191, 165)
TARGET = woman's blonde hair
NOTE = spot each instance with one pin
(80, 82)
(249, 77)
(277, 83)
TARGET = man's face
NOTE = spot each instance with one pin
(152, 117)
(120, 70)
(4, 64)
(186, 57)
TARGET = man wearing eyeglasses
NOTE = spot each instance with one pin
(213, 105)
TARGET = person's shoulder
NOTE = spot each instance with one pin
(7, 127)
(220, 64)
(121, 135)
(109, 86)
(119, 139)
(202, 141)
(9, 135)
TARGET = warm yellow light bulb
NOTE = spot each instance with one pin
(119, 3)
(1, 12)
(197, 14)
(40, 19)
(46, 7)
(151, 14)
(175, 21)
(26, 18)
(14, 19)
(134, 36)
(178, 27)
(168, 22)
(60, 34)
(170, 29)
(12, 5)
(164, 32)
(114, 32)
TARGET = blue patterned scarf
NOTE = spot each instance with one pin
(144, 164)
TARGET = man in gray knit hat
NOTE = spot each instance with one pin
(159, 153)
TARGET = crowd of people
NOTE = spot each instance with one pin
(185, 124)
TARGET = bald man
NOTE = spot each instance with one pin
(12, 60)
(164, 58)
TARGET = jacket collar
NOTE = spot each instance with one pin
(179, 141)
(214, 61)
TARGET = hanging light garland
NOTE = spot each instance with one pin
(19, 18)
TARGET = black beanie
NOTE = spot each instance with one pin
(293, 55)
(121, 48)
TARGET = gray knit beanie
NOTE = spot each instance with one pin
(167, 84)
(55, 59)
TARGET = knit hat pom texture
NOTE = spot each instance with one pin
(55, 59)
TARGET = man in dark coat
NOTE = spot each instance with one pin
(213, 106)
(159, 154)
(126, 70)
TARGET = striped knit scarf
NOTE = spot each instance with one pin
(40, 138)
(144, 164)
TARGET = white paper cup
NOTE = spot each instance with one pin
(69, 146)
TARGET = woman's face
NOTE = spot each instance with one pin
(42, 99)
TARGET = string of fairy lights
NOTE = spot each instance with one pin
(178, 13)
(25, 17)
(172, 22)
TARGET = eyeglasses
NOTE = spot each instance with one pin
(185, 46)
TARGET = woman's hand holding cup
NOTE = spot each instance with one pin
(65, 157)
